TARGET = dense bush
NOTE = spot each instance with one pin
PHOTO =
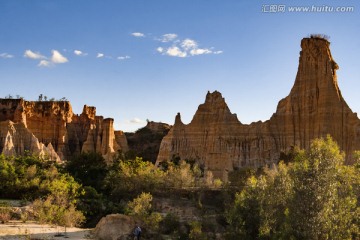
(26, 177)
(170, 223)
(35, 178)
(130, 178)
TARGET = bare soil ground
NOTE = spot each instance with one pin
(33, 231)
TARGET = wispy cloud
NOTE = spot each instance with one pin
(188, 44)
(33, 55)
(6, 55)
(160, 49)
(168, 37)
(123, 57)
(135, 121)
(138, 34)
(79, 53)
(100, 55)
(199, 51)
(57, 58)
(45, 63)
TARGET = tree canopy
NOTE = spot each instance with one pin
(314, 197)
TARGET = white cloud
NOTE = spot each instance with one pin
(188, 44)
(100, 55)
(138, 34)
(135, 121)
(175, 52)
(200, 51)
(182, 47)
(33, 55)
(44, 63)
(79, 53)
(57, 57)
(6, 55)
(168, 37)
(123, 57)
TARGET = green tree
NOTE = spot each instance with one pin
(140, 207)
(88, 168)
(313, 198)
(244, 216)
(324, 204)
(93, 205)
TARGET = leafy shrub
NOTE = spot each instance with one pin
(59, 213)
(24, 216)
(5, 214)
(141, 209)
(196, 231)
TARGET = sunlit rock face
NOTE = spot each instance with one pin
(115, 226)
(50, 128)
(314, 108)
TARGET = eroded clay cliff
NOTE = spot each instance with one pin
(314, 108)
(51, 128)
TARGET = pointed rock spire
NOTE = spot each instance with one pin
(178, 120)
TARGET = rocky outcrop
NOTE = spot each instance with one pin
(50, 128)
(145, 142)
(115, 227)
(16, 138)
(314, 108)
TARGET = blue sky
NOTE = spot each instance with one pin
(140, 59)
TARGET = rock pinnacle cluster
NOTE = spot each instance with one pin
(314, 108)
(51, 129)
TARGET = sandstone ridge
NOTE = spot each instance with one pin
(51, 128)
(314, 108)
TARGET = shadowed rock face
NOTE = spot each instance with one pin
(145, 142)
(314, 108)
(51, 128)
